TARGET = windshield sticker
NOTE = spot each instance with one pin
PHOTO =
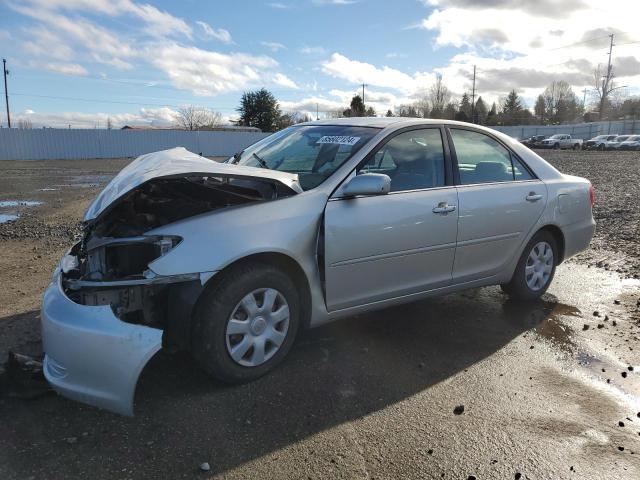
(339, 139)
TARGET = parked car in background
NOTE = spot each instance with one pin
(561, 141)
(631, 143)
(615, 143)
(319, 221)
(533, 141)
(599, 142)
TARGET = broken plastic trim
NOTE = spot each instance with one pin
(150, 280)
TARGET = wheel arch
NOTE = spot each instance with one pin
(283, 262)
(558, 236)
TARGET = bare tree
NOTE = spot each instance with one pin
(604, 85)
(560, 103)
(421, 104)
(439, 96)
(25, 124)
(109, 124)
(197, 118)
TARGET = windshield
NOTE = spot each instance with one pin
(633, 138)
(621, 138)
(556, 136)
(599, 137)
(313, 152)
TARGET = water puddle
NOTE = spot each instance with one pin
(10, 210)
(19, 203)
(5, 217)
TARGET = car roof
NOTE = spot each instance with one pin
(382, 122)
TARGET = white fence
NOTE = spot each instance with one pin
(584, 131)
(49, 144)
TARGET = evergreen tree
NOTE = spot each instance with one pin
(511, 112)
(492, 116)
(481, 112)
(389, 113)
(259, 109)
(465, 107)
(356, 108)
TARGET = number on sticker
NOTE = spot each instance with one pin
(339, 139)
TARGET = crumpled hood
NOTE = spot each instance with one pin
(176, 161)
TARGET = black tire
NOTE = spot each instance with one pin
(601, 148)
(556, 146)
(576, 146)
(518, 287)
(214, 309)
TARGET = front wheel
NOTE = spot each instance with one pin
(536, 268)
(556, 146)
(245, 323)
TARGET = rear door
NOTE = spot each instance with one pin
(386, 246)
(499, 201)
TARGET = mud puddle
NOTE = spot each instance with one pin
(10, 210)
(584, 336)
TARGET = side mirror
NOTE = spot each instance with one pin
(367, 184)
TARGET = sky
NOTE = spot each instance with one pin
(78, 62)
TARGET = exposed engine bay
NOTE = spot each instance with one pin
(109, 266)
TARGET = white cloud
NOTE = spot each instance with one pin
(278, 5)
(357, 72)
(219, 34)
(284, 81)
(158, 117)
(67, 68)
(308, 105)
(317, 50)
(333, 2)
(206, 72)
(525, 45)
(273, 46)
(158, 22)
(79, 34)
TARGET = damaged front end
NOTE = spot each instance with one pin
(107, 312)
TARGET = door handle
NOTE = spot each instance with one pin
(444, 208)
(533, 197)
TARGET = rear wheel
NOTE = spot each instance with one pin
(245, 323)
(536, 268)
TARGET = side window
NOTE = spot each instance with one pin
(481, 159)
(519, 171)
(413, 160)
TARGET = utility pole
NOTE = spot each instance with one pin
(584, 96)
(6, 94)
(606, 80)
(363, 85)
(317, 117)
(473, 97)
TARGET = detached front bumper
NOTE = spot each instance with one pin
(90, 355)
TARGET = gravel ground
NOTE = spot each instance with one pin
(550, 389)
(616, 179)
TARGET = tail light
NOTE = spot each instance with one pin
(592, 195)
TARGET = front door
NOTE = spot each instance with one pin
(386, 246)
(500, 201)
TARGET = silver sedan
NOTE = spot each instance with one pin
(320, 221)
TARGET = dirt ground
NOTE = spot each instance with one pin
(372, 396)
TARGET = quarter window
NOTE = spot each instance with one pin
(481, 159)
(413, 160)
